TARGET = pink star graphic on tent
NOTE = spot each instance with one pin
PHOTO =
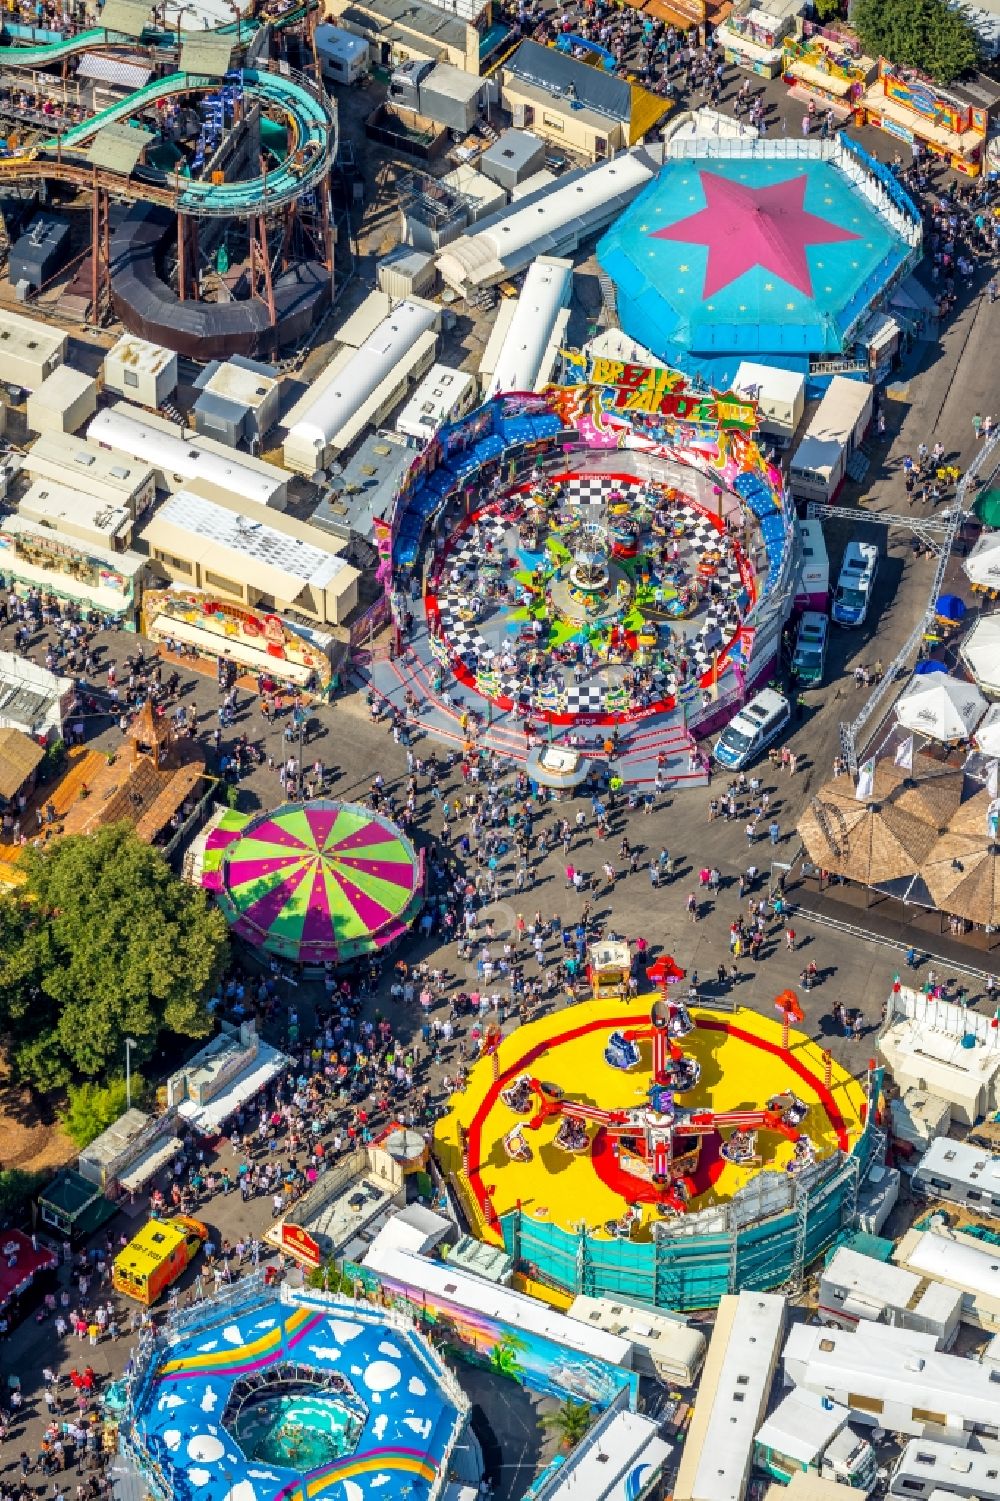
(747, 227)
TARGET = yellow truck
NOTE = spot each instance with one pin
(157, 1256)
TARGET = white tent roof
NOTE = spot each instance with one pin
(982, 566)
(940, 707)
(546, 289)
(980, 652)
(988, 733)
(380, 354)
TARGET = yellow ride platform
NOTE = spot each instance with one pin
(742, 1063)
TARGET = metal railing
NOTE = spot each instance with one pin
(883, 694)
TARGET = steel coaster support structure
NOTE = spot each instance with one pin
(187, 257)
(732, 1272)
(800, 1205)
(260, 264)
(100, 251)
(987, 460)
(849, 1203)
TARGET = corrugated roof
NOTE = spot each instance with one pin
(209, 55)
(131, 73)
(19, 757)
(411, 15)
(575, 82)
(118, 147)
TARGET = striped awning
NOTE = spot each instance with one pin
(129, 74)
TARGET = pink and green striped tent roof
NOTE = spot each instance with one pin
(314, 882)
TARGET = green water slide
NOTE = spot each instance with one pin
(308, 115)
(299, 122)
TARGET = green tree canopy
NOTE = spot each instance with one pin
(570, 1422)
(930, 35)
(17, 1189)
(91, 1109)
(102, 943)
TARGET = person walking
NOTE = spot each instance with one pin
(977, 424)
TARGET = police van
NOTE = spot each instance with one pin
(751, 730)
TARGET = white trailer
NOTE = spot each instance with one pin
(896, 1379)
(961, 1261)
(927, 1466)
(343, 57)
(443, 395)
(853, 1287)
(732, 1399)
(780, 397)
(809, 1434)
(819, 463)
(664, 1344)
(960, 1173)
(81, 464)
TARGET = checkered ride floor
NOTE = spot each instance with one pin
(476, 642)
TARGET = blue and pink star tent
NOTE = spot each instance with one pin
(728, 258)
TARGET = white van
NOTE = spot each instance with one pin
(752, 729)
(855, 584)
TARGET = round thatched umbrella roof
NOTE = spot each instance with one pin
(970, 883)
(970, 818)
(827, 823)
(948, 864)
(932, 797)
(870, 842)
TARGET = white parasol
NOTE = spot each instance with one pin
(982, 566)
(980, 651)
(942, 708)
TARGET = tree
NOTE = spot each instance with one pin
(17, 1189)
(92, 1109)
(328, 1278)
(931, 35)
(102, 943)
(570, 1422)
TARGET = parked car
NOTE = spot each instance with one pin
(752, 729)
(855, 584)
(809, 659)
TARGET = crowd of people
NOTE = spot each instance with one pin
(393, 1041)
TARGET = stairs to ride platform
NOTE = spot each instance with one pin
(644, 749)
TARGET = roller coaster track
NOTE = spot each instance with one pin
(309, 114)
(45, 53)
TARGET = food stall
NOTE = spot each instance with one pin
(754, 40)
(833, 72)
(905, 105)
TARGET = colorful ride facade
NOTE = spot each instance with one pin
(647, 432)
(256, 1368)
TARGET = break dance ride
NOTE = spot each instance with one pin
(658, 1143)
